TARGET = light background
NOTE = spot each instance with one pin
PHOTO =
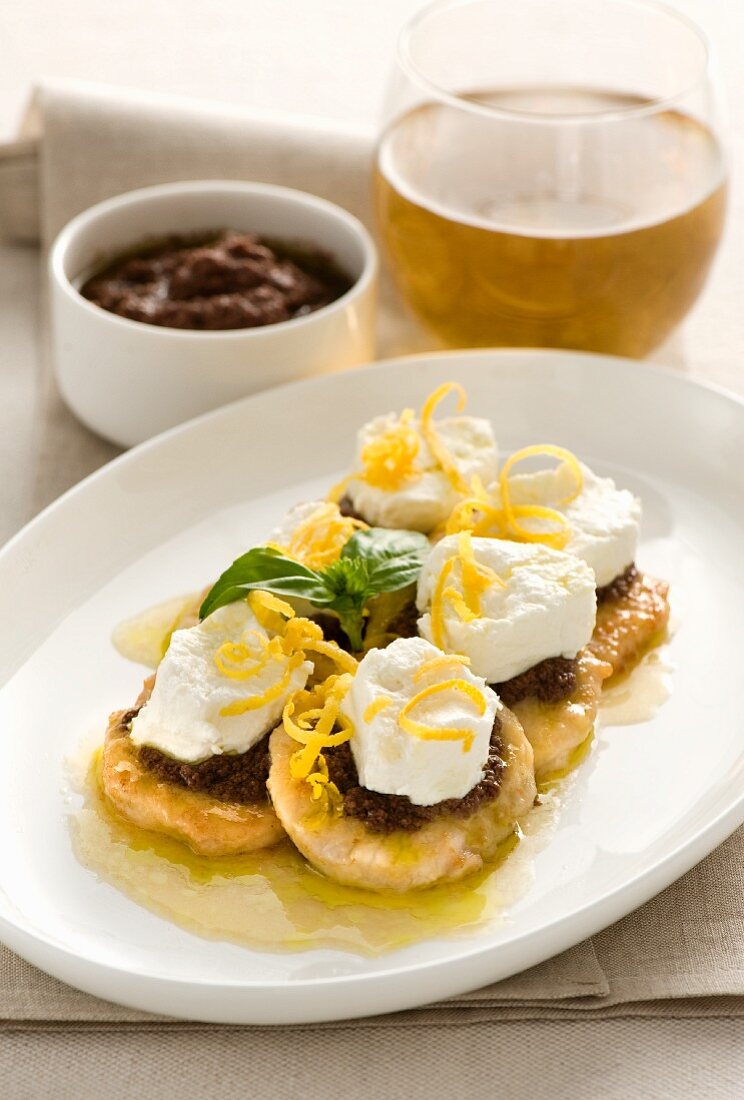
(331, 57)
(322, 57)
(327, 58)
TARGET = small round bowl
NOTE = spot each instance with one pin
(128, 380)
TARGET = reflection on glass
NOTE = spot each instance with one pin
(551, 182)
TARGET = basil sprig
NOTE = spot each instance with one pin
(371, 562)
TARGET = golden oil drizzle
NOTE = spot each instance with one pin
(144, 638)
(579, 754)
(274, 900)
(638, 695)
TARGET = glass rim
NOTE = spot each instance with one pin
(650, 106)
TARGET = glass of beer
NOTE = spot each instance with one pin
(551, 172)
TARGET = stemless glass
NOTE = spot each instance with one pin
(551, 172)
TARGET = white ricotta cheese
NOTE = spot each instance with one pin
(392, 760)
(291, 520)
(604, 520)
(426, 498)
(183, 715)
(546, 606)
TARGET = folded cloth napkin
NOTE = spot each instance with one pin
(80, 143)
(682, 953)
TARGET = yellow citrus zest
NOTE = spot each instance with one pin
(319, 539)
(444, 733)
(238, 661)
(477, 513)
(376, 707)
(438, 663)
(307, 636)
(437, 605)
(564, 456)
(513, 513)
(270, 611)
(310, 718)
(344, 660)
(434, 442)
(483, 516)
(294, 637)
(324, 791)
(460, 605)
(475, 579)
(557, 538)
(255, 702)
(390, 459)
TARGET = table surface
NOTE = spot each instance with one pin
(328, 57)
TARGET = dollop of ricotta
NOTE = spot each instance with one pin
(604, 520)
(542, 605)
(296, 517)
(393, 760)
(183, 716)
(425, 498)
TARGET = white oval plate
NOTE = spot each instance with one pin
(651, 800)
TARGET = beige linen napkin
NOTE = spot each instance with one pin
(90, 141)
(683, 953)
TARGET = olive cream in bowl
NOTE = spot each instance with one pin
(217, 280)
(172, 300)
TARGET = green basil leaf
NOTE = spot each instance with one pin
(392, 559)
(269, 570)
(372, 561)
(348, 577)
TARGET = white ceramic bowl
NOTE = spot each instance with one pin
(128, 380)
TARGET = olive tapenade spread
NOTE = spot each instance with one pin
(230, 777)
(218, 280)
(549, 681)
(620, 587)
(346, 508)
(390, 813)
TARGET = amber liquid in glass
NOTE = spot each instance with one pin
(594, 236)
